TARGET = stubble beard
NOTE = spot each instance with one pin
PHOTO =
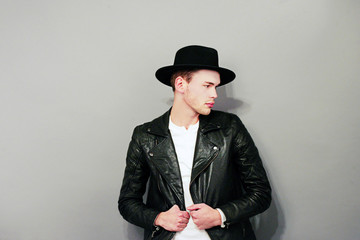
(197, 107)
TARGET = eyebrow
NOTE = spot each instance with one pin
(211, 83)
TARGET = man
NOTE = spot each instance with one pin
(205, 177)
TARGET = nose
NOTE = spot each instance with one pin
(214, 93)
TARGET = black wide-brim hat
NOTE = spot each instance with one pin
(195, 57)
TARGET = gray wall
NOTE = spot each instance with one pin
(77, 76)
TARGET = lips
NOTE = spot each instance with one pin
(210, 105)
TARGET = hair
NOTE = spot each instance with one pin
(185, 73)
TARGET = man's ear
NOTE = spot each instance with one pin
(180, 84)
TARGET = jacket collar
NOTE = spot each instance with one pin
(160, 125)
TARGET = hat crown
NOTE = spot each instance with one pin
(197, 55)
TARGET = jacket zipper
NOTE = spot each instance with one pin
(157, 228)
(207, 165)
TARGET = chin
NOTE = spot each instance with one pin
(205, 112)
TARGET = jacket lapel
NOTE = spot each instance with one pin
(164, 157)
(205, 150)
(165, 160)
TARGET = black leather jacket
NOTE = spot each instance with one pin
(227, 174)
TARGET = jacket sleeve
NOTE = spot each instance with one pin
(130, 204)
(256, 196)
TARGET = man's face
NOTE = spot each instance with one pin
(200, 92)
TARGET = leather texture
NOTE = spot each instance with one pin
(227, 174)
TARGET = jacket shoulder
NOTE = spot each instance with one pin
(157, 126)
(225, 119)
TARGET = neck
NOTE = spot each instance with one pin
(182, 115)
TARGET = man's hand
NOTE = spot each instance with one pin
(173, 219)
(204, 216)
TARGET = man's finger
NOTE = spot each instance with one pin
(185, 214)
(194, 207)
(184, 220)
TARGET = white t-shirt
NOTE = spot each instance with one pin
(184, 141)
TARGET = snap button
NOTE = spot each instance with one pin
(215, 148)
(151, 154)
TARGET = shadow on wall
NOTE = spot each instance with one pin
(268, 225)
(134, 232)
(227, 103)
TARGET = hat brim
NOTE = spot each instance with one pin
(164, 74)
